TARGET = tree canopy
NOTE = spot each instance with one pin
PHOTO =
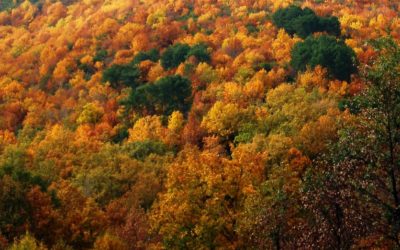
(178, 53)
(119, 75)
(198, 124)
(162, 97)
(305, 22)
(328, 52)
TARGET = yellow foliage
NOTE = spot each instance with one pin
(92, 113)
(108, 26)
(155, 72)
(254, 57)
(109, 242)
(282, 46)
(257, 17)
(254, 89)
(223, 119)
(87, 60)
(233, 92)
(206, 73)
(11, 90)
(351, 21)
(127, 33)
(157, 18)
(176, 121)
(204, 18)
(147, 128)
(313, 78)
(232, 46)
(316, 135)
(278, 4)
(63, 68)
(27, 242)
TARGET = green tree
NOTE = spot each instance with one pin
(14, 208)
(331, 25)
(119, 75)
(304, 22)
(100, 55)
(174, 55)
(141, 149)
(336, 56)
(162, 97)
(200, 52)
(152, 55)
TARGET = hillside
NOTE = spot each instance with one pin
(199, 124)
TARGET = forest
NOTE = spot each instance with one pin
(199, 124)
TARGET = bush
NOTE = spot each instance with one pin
(304, 22)
(336, 56)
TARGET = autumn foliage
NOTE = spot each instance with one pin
(249, 124)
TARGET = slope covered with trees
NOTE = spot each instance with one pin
(205, 124)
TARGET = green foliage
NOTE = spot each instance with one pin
(331, 25)
(100, 56)
(23, 176)
(121, 135)
(251, 28)
(8, 4)
(15, 181)
(353, 104)
(178, 53)
(290, 108)
(91, 114)
(336, 56)
(152, 55)
(162, 97)
(200, 52)
(246, 133)
(13, 206)
(304, 22)
(267, 66)
(174, 55)
(122, 75)
(141, 149)
(14, 166)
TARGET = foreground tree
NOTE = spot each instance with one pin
(363, 168)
